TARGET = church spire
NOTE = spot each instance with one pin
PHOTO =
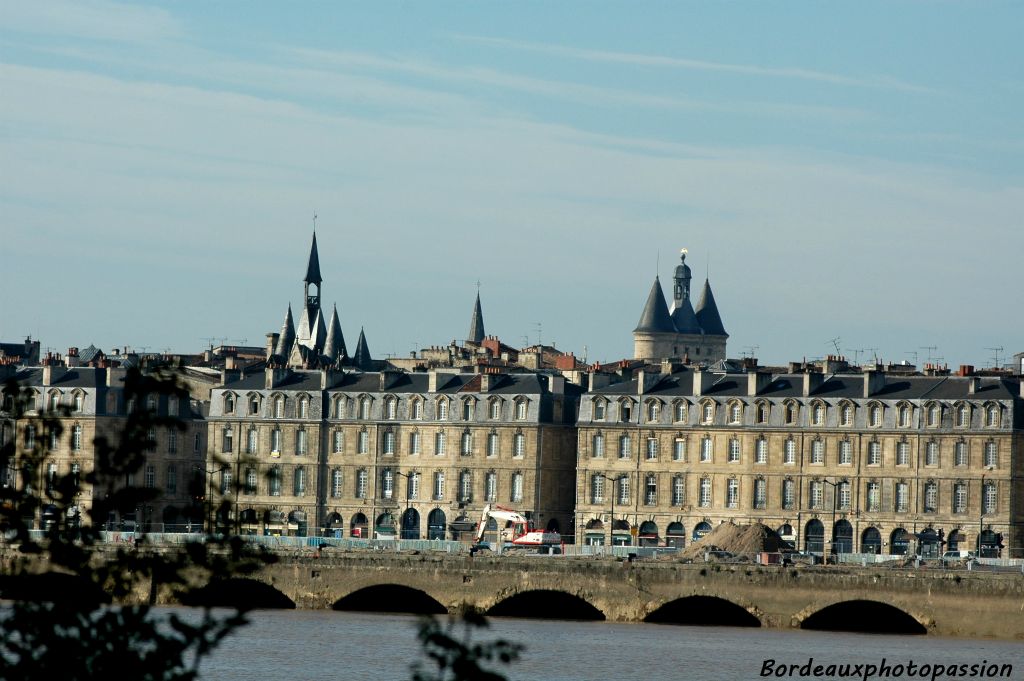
(361, 360)
(476, 323)
(334, 348)
(287, 337)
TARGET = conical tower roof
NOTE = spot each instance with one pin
(655, 318)
(707, 313)
(335, 345)
(476, 323)
(685, 319)
(313, 269)
(362, 360)
(287, 337)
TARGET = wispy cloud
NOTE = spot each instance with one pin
(90, 19)
(560, 89)
(637, 59)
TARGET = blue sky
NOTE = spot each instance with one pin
(849, 171)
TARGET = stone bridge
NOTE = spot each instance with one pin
(944, 603)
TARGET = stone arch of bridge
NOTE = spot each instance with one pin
(544, 604)
(239, 592)
(704, 610)
(390, 598)
(861, 615)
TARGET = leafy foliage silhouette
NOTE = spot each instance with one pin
(82, 608)
(458, 658)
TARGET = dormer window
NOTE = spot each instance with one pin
(875, 416)
(792, 411)
(763, 412)
(653, 411)
(521, 410)
(707, 412)
(279, 407)
(79, 399)
(364, 408)
(735, 412)
(818, 415)
(494, 410)
(442, 409)
(679, 412)
(468, 409)
(417, 409)
(846, 415)
(992, 416)
(391, 408)
(625, 411)
(229, 403)
(963, 416)
(254, 405)
(904, 414)
(934, 415)
(303, 407)
(599, 407)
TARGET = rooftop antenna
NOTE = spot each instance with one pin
(996, 358)
(584, 354)
(874, 353)
(537, 324)
(930, 349)
(750, 351)
(856, 355)
(835, 342)
(913, 353)
(657, 263)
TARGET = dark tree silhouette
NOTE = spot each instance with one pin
(81, 608)
(458, 658)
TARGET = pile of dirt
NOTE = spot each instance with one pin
(736, 539)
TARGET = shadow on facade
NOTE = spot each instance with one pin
(863, 617)
(703, 611)
(247, 594)
(546, 605)
(390, 598)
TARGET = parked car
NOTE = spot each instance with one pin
(957, 557)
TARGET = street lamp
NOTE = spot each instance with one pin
(835, 494)
(981, 508)
(611, 525)
(408, 484)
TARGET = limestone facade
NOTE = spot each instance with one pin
(910, 463)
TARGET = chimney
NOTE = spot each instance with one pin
(271, 343)
(273, 377)
(812, 381)
(973, 383)
(115, 377)
(757, 381)
(326, 378)
(597, 380)
(701, 382)
(431, 381)
(874, 381)
(556, 384)
(1022, 388)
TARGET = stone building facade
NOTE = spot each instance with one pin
(388, 453)
(855, 462)
(88, 403)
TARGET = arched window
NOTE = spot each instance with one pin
(846, 415)
(492, 443)
(678, 490)
(791, 412)
(442, 409)
(468, 409)
(390, 408)
(732, 493)
(707, 412)
(279, 407)
(494, 409)
(764, 411)
(904, 414)
(963, 416)
(818, 414)
(653, 411)
(79, 400)
(466, 444)
(735, 412)
(991, 456)
(992, 416)
(416, 409)
(303, 407)
(875, 415)
(934, 413)
(521, 406)
(679, 411)
(229, 403)
(364, 408)
(517, 487)
(519, 445)
(597, 448)
(254, 404)
(625, 411)
(600, 406)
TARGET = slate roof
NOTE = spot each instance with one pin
(334, 347)
(476, 323)
(361, 359)
(707, 313)
(313, 269)
(685, 319)
(287, 337)
(654, 318)
(369, 382)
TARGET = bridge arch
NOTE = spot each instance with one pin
(390, 598)
(239, 592)
(546, 604)
(863, 616)
(703, 611)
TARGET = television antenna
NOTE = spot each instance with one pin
(750, 351)
(931, 349)
(913, 353)
(835, 342)
(996, 358)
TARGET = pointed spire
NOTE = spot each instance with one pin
(654, 318)
(361, 360)
(476, 323)
(287, 337)
(313, 269)
(707, 313)
(685, 319)
(334, 348)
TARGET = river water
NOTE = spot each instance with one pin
(300, 645)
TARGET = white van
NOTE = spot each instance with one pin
(956, 556)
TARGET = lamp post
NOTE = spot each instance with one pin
(408, 484)
(611, 525)
(835, 494)
(981, 509)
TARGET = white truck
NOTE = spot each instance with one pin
(515, 531)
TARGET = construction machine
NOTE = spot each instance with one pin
(515, 532)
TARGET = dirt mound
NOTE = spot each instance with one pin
(736, 539)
